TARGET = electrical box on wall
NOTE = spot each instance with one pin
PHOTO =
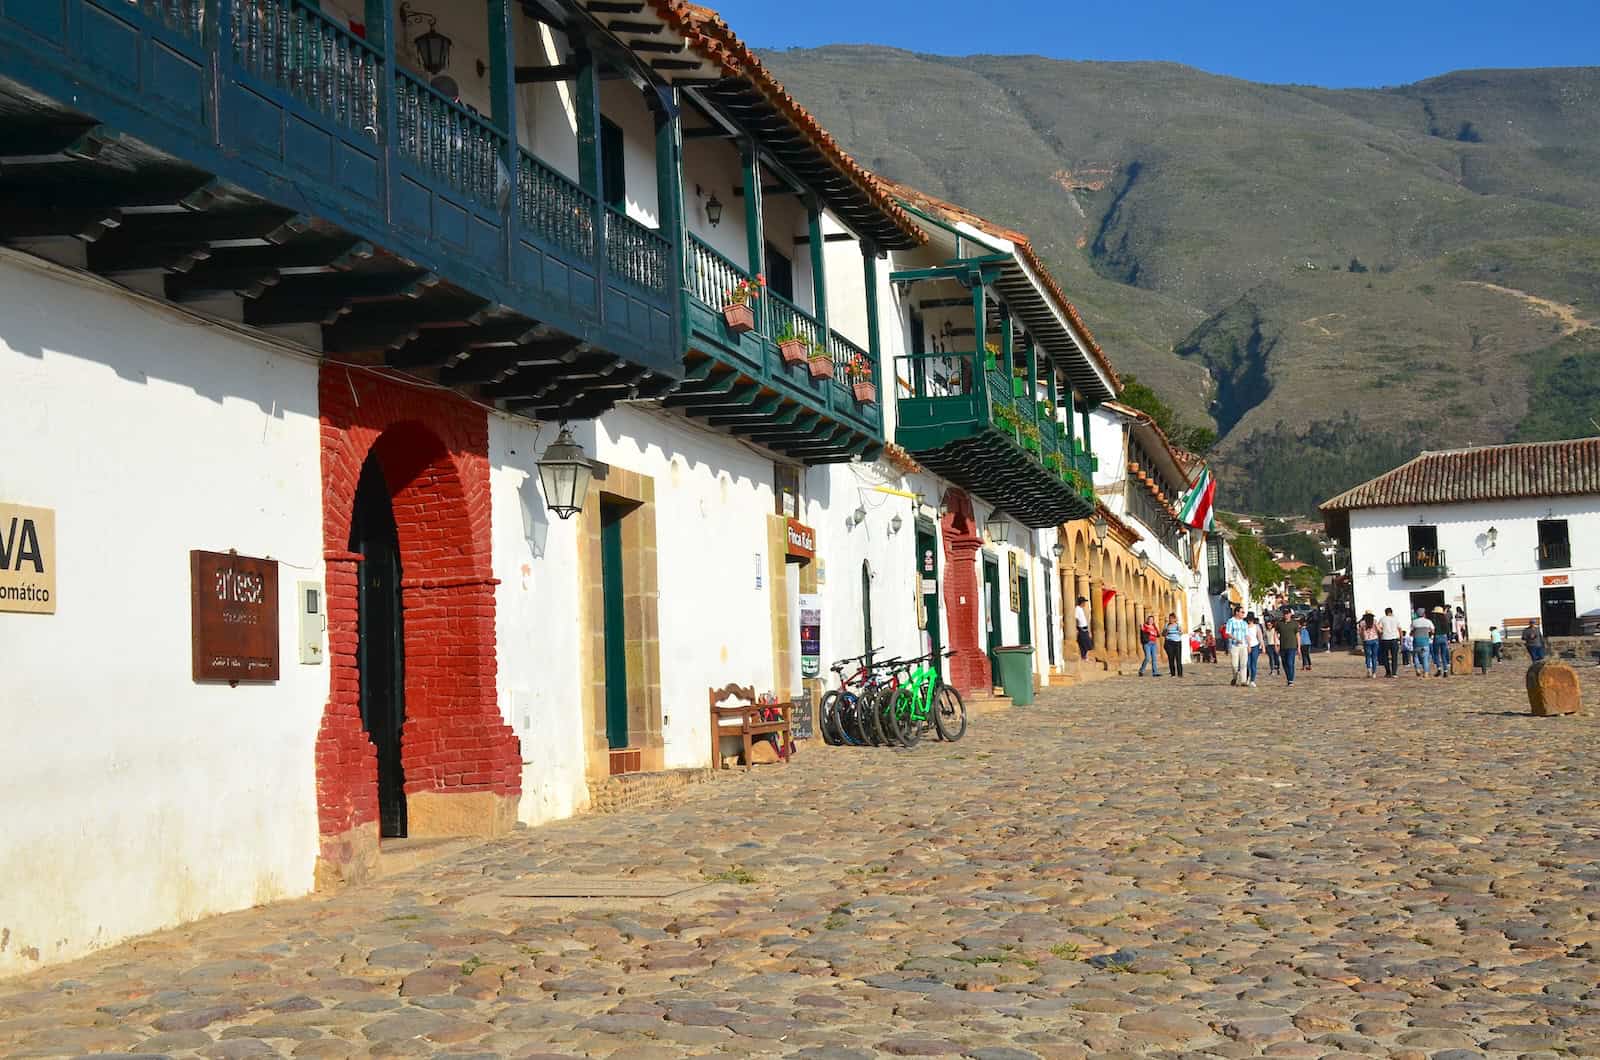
(313, 621)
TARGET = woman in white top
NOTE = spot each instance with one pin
(1252, 642)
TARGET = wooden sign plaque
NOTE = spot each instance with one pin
(234, 617)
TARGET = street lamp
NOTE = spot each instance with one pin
(714, 210)
(564, 472)
(1100, 527)
(896, 523)
(433, 47)
(996, 527)
(1493, 535)
(1057, 549)
(1172, 580)
(1144, 560)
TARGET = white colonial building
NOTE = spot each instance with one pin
(1500, 531)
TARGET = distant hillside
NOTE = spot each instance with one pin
(1335, 279)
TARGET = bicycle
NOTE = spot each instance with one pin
(839, 710)
(922, 701)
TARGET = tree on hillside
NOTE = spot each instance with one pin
(1185, 436)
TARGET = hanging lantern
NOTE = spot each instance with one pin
(714, 210)
(1144, 560)
(564, 472)
(1101, 528)
(433, 47)
(997, 527)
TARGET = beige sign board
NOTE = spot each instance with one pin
(27, 559)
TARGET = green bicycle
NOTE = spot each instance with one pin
(920, 700)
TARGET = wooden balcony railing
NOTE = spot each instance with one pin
(450, 143)
(1423, 564)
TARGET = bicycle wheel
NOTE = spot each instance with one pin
(872, 715)
(849, 715)
(908, 730)
(949, 713)
(827, 717)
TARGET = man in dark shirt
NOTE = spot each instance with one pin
(1289, 638)
(1441, 642)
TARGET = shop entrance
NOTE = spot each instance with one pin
(928, 582)
(1558, 612)
(380, 643)
(616, 652)
(1427, 601)
(991, 598)
(1024, 612)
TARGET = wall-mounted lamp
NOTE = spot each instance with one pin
(712, 206)
(1172, 580)
(858, 516)
(564, 472)
(1144, 560)
(997, 527)
(1057, 550)
(1101, 528)
(1493, 535)
(433, 47)
(896, 523)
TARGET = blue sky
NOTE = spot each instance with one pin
(1335, 43)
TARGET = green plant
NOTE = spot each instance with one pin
(788, 334)
(1028, 431)
(1005, 417)
(747, 290)
(1053, 461)
(1067, 951)
(471, 964)
(733, 875)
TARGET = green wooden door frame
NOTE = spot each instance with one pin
(927, 561)
(991, 588)
(616, 653)
(1024, 611)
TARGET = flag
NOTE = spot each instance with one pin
(1106, 596)
(1195, 510)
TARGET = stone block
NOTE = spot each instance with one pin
(1552, 688)
(463, 813)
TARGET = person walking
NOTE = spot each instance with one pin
(1441, 642)
(1149, 637)
(1252, 643)
(1533, 638)
(1461, 625)
(1371, 642)
(1085, 638)
(1238, 652)
(1175, 642)
(1389, 642)
(1269, 640)
(1305, 643)
(1405, 647)
(1421, 642)
(1497, 637)
(1289, 637)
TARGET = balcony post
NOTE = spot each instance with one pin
(1086, 446)
(819, 275)
(1055, 407)
(381, 35)
(980, 331)
(503, 104)
(869, 269)
(590, 167)
(665, 108)
(1033, 388)
(754, 226)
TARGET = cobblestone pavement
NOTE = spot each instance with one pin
(1352, 867)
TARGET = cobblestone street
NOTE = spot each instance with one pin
(1352, 867)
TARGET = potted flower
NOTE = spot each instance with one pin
(795, 348)
(820, 362)
(859, 372)
(991, 356)
(1028, 433)
(1061, 430)
(1005, 418)
(739, 312)
(1053, 462)
(1019, 382)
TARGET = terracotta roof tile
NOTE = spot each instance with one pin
(959, 214)
(711, 37)
(1494, 472)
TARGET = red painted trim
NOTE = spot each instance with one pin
(969, 667)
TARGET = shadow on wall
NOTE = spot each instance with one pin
(141, 340)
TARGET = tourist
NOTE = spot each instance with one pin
(1269, 640)
(1305, 642)
(1421, 640)
(1497, 638)
(1405, 647)
(1289, 637)
(1533, 639)
(1173, 632)
(1252, 642)
(1238, 652)
(1208, 647)
(1371, 642)
(1149, 637)
(1085, 638)
(1461, 625)
(1389, 642)
(1441, 642)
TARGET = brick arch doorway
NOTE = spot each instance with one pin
(456, 769)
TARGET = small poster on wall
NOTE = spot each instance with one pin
(810, 634)
(1015, 574)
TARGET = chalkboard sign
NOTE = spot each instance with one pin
(800, 716)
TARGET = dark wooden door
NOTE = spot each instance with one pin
(928, 580)
(991, 592)
(616, 660)
(380, 651)
(1024, 612)
(1558, 612)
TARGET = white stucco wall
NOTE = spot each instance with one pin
(134, 797)
(1497, 582)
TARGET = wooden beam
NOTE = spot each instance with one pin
(45, 147)
(769, 189)
(707, 134)
(834, 237)
(27, 223)
(532, 75)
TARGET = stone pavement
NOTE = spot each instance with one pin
(1351, 867)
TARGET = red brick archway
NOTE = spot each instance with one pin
(463, 765)
(969, 667)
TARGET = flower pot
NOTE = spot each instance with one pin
(1061, 430)
(795, 351)
(1017, 387)
(1031, 444)
(739, 317)
(989, 363)
(821, 367)
(866, 393)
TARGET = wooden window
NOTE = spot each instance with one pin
(613, 173)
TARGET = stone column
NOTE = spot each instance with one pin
(1097, 619)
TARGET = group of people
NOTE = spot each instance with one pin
(1423, 643)
(1246, 639)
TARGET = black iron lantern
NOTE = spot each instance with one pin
(433, 47)
(714, 210)
(564, 472)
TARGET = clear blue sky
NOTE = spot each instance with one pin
(1335, 43)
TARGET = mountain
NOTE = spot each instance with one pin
(1334, 279)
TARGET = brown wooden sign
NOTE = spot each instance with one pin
(234, 617)
(27, 559)
(802, 540)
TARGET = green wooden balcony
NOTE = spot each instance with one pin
(962, 419)
(259, 148)
(740, 381)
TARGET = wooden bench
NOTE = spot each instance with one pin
(1512, 627)
(743, 719)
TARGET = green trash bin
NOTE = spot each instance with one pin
(1016, 672)
(1482, 654)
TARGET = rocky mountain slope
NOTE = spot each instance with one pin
(1335, 279)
